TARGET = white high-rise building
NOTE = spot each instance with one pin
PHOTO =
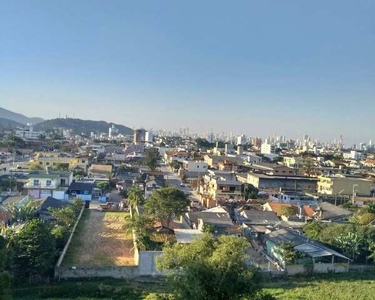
(149, 136)
(241, 140)
(267, 149)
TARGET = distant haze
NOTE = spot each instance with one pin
(254, 67)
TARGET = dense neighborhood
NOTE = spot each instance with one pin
(112, 205)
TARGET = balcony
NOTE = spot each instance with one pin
(40, 186)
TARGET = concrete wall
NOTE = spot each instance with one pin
(96, 272)
(147, 262)
(293, 270)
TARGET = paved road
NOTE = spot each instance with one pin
(175, 181)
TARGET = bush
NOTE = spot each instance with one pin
(73, 291)
(4, 282)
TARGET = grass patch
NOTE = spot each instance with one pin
(336, 286)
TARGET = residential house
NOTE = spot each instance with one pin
(44, 210)
(296, 198)
(178, 156)
(320, 257)
(327, 212)
(86, 191)
(257, 221)
(344, 185)
(217, 218)
(221, 185)
(43, 184)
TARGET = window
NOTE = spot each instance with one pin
(41, 163)
(47, 163)
(48, 182)
(83, 161)
(197, 167)
(36, 182)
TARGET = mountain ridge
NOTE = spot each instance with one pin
(81, 126)
(17, 117)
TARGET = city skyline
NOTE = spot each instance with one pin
(246, 68)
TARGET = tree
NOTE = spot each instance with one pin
(62, 167)
(313, 230)
(141, 226)
(166, 204)
(4, 275)
(203, 143)
(135, 197)
(103, 186)
(175, 165)
(286, 211)
(308, 167)
(288, 253)
(249, 191)
(65, 216)
(34, 167)
(151, 158)
(23, 213)
(123, 193)
(34, 248)
(213, 269)
(350, 242)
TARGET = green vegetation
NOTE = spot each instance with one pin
(214, 269)
(34, 249)
(338, 286)
(151, 157)
(355, 241)
(135, 197)
(80, 126)
(249, 191)
(166, 204)
(286, 211)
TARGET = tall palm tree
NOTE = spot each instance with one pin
(135, 197)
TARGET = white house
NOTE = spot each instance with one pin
(28, 133)
(195, 166)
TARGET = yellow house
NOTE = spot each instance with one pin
(52, 159)
(341, 185)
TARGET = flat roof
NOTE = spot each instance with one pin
(265, 176)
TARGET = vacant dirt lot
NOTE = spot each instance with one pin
(100, 240)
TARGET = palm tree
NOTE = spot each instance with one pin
(135, 197)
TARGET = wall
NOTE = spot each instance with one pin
(147, 262)
(96, 272)
(293, 270)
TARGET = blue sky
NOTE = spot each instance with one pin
(253, 67)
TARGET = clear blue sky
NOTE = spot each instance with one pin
(253, 67)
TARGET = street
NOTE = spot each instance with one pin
(175, 181)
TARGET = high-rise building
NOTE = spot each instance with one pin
(139, 136)
(149, 137)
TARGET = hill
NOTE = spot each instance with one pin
(7, 114)
(81, 126)
(9, 124)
